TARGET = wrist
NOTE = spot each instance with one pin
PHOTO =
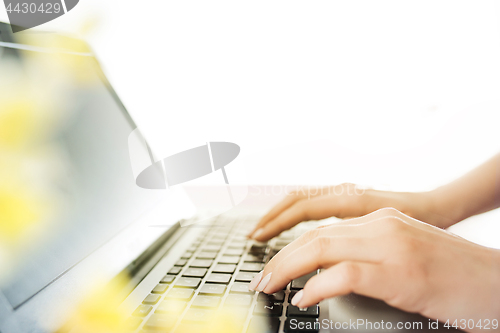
(443, 208)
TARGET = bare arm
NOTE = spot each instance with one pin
(476, 192)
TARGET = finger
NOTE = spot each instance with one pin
(323, 252)
(276, 210)
(382, 222)
(362, 278)
(293, 197)
(341, 201)
(356, 227)
(338, 229)
(316, 208)
(374, 226)
(309, 193)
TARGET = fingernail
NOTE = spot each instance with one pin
(257, 233)
(264, 282)
(298, 296)
(255, 281)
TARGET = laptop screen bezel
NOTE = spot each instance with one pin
(133, 242)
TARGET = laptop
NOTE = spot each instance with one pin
(180, 274)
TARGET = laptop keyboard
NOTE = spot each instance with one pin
(214, 273)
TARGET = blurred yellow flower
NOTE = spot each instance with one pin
(19, 211)
(17, 121)
(29, 109)
(27, 120)
(225, 320)
(99, 311)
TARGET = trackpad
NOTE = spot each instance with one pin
(354, 313)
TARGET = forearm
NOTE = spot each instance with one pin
(476, 192)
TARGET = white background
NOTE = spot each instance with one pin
(400, 95)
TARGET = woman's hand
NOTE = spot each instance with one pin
(347, 200)
(387, 255)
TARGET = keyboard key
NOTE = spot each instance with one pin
(195, 272)
(219, 237)
(167, 279)
(211, 248)
(132, 323)
(151, 299)
(229, 260)
(224, 268)
(238, 300)
(277, 248)
(272, 253)
(219, 278)
(161, 321)
(254, 258)
(288, 235)
(257, 249)
(216, 242)
(175, 270)
(238, 313)
(187, 282)
(223, 228)
(301, 281)
(234, 252)
(192, 248)
(239, 231)
(240, 287)
(236, 245)
(160, 289)
(277, 297)
(201, 263)
(312, 311)
(268, 309)
(190, 326)
(206, 255)
(252, 267)
(187, 255)
(206, 301)
(171, 306)
(264, 325)
(181, 262)
(142, 310)
(221, 231)
(180, 293)
(245, 276)
(302, 325)
(213, 289)
(198, 315)
(282, 243)
(240, 239)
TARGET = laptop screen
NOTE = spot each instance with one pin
(73, 154)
